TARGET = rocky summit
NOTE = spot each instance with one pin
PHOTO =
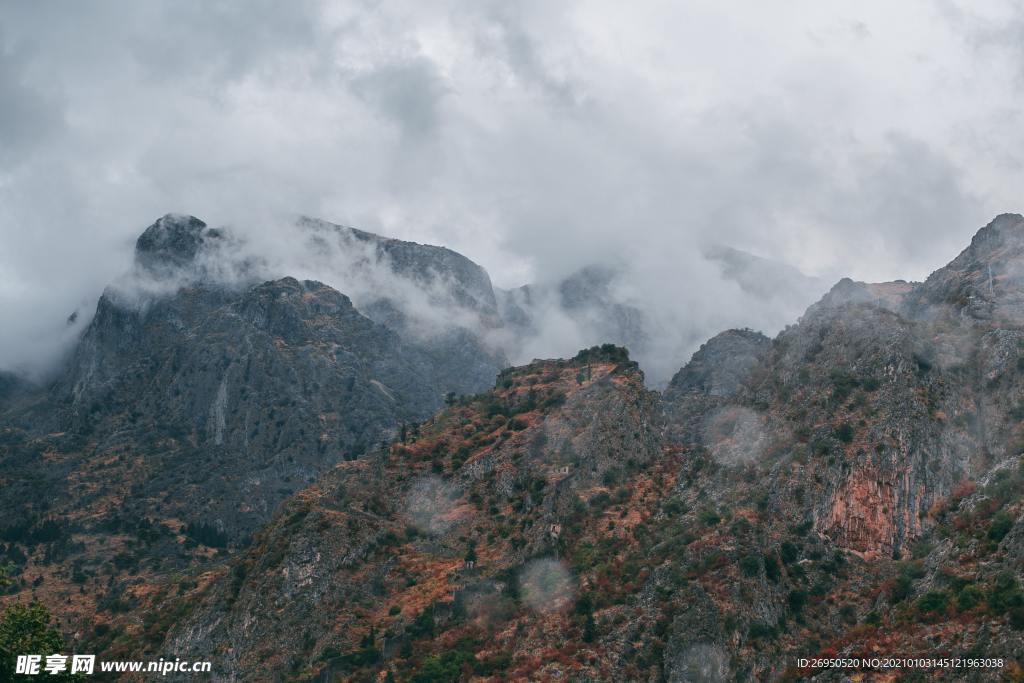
(299, 485)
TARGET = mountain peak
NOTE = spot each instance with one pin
(721, 364)
(1004, 230)
(171, 242)
(985, 281)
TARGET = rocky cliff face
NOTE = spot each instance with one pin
(984, 284)
(273, 382)
(172, 243)
(389, 270)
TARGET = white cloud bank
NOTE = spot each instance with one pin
(535, 137)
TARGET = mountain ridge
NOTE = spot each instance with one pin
(873, 459)
(852, 483)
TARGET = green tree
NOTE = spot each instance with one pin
(25, 630)
(844, 432)
(797, 599)
(1000, 526)
(968, 597)
(788, 552)
(1005, 593)
(750, 565)
(589, 629)
(932, 601)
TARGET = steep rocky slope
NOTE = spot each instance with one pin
(432, 535)
(199, 399)
(426, 265)
(852, 487)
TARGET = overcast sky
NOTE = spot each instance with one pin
(862, 138)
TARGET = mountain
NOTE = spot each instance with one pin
(425, 264)
(588, 302)
(280, 378)
(840, 490)
(597, 305)
(763, 278)
(984, 284)
(852, 487)
(387, 270)
(196, 402)
(452, 511)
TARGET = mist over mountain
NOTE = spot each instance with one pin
(430, 291)
(530, 139)
(348, 504)
(335, 486)
(486, 341)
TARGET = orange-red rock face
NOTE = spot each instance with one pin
(860, 516)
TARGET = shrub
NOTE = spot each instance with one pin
(1000, 526)
(27, 629)
(967, 598)
(771, 568)
(923, 364)
(750, 565)
(494, 406)
(1005, 593)
(740, 526)
(759, 631)
(493, 664)
(445, 667)
(901, 589)
(364, 656)
(788, 552)
(206, 534)
(844, 432)
(556, 399)
(673, 506)
(605, 352)
(709, 517)
(589, 629)
(903, 586)
(584, 604)
(842, 385)
(796, 600)
(870, 384)
(932, 601)
(920, 549)
(423, 624)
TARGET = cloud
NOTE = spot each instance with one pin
(869, 141)
(407, 93)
